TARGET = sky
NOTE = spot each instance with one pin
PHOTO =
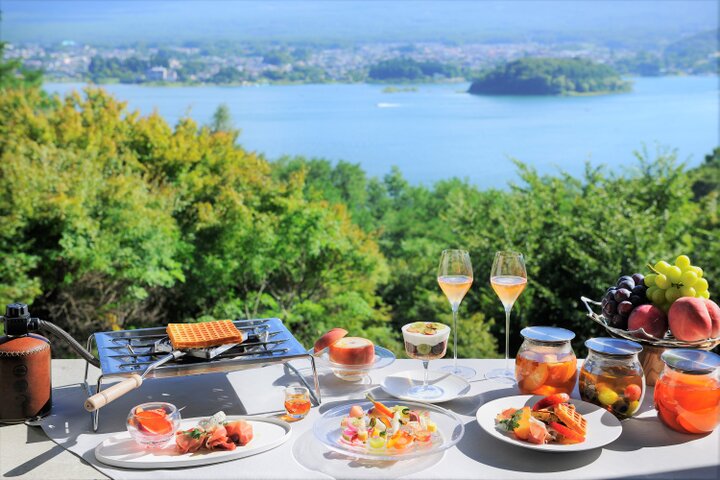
(123, 21)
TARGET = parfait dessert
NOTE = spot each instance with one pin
(425, 341)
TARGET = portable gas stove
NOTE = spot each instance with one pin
(124, 352)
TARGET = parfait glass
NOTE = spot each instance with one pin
(455, 276)
(425, 341)
(508, 278)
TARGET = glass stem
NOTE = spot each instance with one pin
(425, 378)
(507, 337)
(455, 329)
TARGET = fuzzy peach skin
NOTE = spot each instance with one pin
(329, 338)
(650, 318)
(691, 320)
(714, 311)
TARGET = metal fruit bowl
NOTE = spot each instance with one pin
(641, 336)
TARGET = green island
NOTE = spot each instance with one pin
(550, 76)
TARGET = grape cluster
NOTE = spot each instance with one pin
(619, 301)
(668, 282)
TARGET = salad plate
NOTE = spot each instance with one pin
(354, 373)
(448, 430)
(602, 426)
(122, 451)
(399, 384)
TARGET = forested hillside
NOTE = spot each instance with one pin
(115, 220)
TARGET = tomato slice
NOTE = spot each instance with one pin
(569, 436)
(551, 400)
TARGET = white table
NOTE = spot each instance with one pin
(645, 449)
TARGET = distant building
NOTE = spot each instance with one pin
(161, 74)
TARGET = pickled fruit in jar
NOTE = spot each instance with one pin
(620, 392)
(545, 373)
(688, 403)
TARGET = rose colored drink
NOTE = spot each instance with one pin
(298, 405)
(455, 286)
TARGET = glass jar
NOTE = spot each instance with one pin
(612, 376)
(546, 363)
(687, 394)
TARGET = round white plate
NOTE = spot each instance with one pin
(121, 450)
(602, 426)
(398, 384)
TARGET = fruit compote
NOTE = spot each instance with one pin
(687, 395)
(153, 424)
(612, 376)
(546, 363)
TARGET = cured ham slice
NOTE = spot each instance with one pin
(218, 440)
(189, 441)
(239, 432)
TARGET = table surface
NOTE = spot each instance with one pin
(645, 449)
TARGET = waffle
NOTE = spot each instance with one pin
(571, 418)
(202, 335)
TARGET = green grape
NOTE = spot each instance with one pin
(662, 281)
(701, 285)
(698, 271)
(658, 297)
(683, 261)
(662, 267)
(650, 279)
(674, 274)
(689, 278)
(649, 292)
(704, 294)
(672, 294)
(686, 291)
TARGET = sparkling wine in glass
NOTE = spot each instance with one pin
(455, 276)
(508, 278)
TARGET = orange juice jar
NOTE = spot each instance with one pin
(687, 394)
(546, 363)
(612, 376)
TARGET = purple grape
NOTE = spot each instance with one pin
(638, 278)
(618, 321)
(624, 308)
(610, 308)
(622, 294)
(639, 290)
(636, 300)
(627, 283)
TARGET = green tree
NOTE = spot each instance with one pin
(222, 119)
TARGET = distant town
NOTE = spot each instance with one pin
(229, 63)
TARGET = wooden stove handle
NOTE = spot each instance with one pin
(113, 392)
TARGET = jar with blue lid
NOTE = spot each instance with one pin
(612, 376)
(546, 363)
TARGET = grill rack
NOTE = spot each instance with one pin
(124, 352)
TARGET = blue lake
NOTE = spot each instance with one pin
(439, 131)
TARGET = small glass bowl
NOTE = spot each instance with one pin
(151, 429)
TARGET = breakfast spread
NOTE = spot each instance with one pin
(214, 433)
(204, 334)
(551, 419)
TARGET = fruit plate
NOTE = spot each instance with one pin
(602, 426)
(398, 384)
(354, 373)
(328, 431)
(121, 451)
(642, 336)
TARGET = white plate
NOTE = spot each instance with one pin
(121, 450)
(602, 426)
(398, 385)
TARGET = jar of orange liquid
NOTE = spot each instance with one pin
(612, 376)
(687, 394)
(546, 363)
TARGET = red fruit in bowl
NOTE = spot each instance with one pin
(693, 319)
(650, 318)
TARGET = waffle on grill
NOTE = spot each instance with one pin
(571, 418)
(202, 335)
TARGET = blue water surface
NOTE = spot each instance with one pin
(439, 131)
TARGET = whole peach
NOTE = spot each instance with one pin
(714, 311)
(690, 319)
(650, 318)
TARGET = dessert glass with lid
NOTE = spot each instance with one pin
(612, 376)
(687, 394)
(546, 363)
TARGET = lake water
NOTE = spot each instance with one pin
(439, 131)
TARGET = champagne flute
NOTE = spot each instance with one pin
(455, 276)
(508, 278)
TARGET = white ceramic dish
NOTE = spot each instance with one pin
(354, 373)
(398, 385)
(122, 451)
(327, 429)
(602, 426)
